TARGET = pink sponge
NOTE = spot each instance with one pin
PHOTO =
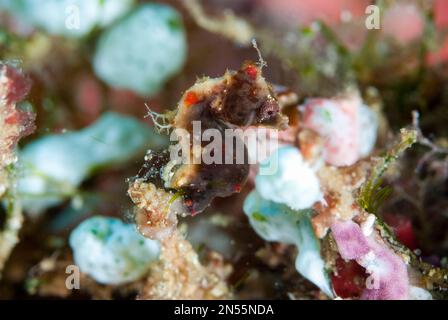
(388, 278)
(352, 244)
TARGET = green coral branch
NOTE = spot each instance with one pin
(372, 194)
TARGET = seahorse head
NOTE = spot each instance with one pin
(249, 99)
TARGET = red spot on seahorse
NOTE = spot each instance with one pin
(191, 98)
(251, 71)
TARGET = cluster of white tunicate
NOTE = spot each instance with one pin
(142, 50)
(277, 210)
(294, 182)
(112, 252)
(55, 165)
(139, 47)
(277, 222)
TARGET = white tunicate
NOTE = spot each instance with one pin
(112, 252)
(294, 183)
(143, 50)
(416, 293)
(277, 222)
(71, 18)
(55, 165)
(368, 127)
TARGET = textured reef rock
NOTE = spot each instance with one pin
(180, 275)
(15, 123)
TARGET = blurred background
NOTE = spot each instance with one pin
(90, 59)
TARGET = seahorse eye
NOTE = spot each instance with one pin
(268, 111)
